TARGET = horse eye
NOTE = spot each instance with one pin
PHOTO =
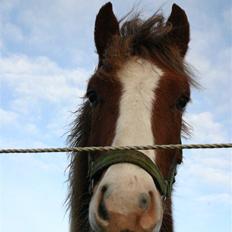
(92, 96)
(182, 102)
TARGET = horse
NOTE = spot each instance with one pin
(136, 96)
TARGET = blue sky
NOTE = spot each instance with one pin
(46, 57)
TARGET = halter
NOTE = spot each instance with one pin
(134, 157)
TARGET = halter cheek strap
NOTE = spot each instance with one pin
(138, 158)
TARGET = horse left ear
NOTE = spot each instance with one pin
(106, 26)
(179, 35)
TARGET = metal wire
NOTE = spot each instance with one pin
(114, 148)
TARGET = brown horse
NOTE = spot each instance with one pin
(136, 96)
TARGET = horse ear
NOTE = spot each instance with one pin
(179, 34)
(106, 26)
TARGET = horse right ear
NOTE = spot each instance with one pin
(106, 26)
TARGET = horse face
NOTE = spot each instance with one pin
(135, 100)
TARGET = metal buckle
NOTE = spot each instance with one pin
(164, 198)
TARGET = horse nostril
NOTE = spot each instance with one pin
(102, 211)
(144, 201)
(104, 188)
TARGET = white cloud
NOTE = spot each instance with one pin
(41, 79)
(7, 117)
(42, 94)
(216, 198)
(205, 129)
(41, 162)
(211, 175)
(222, 161)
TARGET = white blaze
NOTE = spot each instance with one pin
(139, 79)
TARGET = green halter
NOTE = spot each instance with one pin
(138, 158)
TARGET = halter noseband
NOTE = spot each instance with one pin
(134, 157)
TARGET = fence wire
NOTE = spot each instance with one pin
(114, 148)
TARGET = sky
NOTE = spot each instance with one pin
(47, 54)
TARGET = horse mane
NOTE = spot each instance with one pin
(143, 38)
(78, 197)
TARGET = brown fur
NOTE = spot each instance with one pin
(154, 40)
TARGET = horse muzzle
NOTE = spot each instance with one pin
(126, 200)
